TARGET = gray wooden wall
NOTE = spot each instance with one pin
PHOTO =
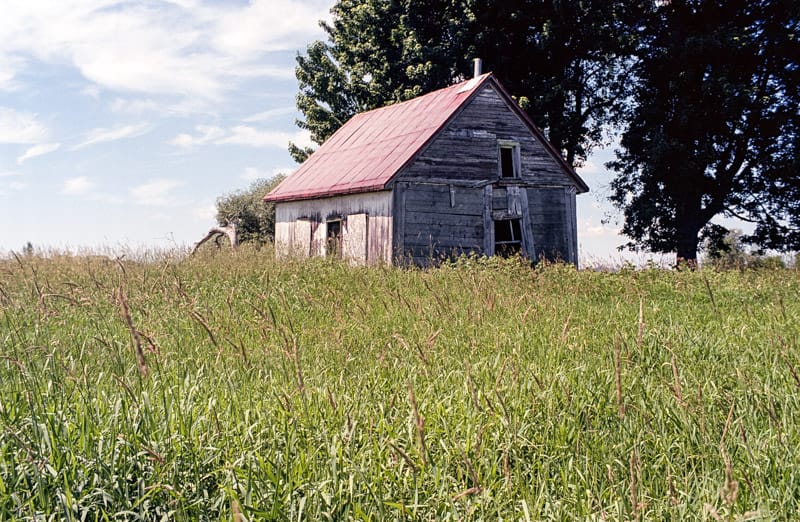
(437, 220)
(467, 148)
(440, 206)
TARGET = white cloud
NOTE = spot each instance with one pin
(241, 135)
(590, 228)
(38, 150)
(136, 106)
(206, 212)
(252, 173)
(241, 31)
(270, 114)
(206, 134)
(11, 186)
(8, 69)
(589, 167)
(156, 192)
(250, 136)
(183, 140)
(101, 135)
(92, 91)
(9, 173)
(21, 127)
(184, 48)
(78, 186)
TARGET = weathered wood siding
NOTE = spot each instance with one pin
(467, 149)
(438, 221)
(441, 205)
(552, 212)
(301, 230)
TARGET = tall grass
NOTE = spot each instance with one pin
(238, 387)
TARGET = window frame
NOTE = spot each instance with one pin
(516, 162)
(517, 242)
(335, 240)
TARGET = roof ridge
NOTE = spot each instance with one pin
(371, 148)
(463, 83)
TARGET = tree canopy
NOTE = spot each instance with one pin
(713, 126)
(566, 60)
(378, 52)
(704, 92)
(547, 53)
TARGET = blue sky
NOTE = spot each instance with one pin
(121, 122)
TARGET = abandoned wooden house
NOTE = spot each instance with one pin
(458, 170)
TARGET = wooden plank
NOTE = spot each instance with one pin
(528, 243)
(426, 250)
(377, 204)
(425, 260)
(488, 224)
(571, 225)
(499, 198)
(437, 218)
(513, 201)
(548, 213)
(433, 198)
(354, 238)
(379, 239)
(445, 234)
(398, 221)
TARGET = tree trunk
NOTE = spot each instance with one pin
(690, 220)
(215, 232)
(687, 241)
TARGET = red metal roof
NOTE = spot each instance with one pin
(367, 151)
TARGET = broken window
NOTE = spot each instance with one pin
(507, 237)
(333, 238)
(509, 160)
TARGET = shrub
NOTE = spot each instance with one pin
(255, 217)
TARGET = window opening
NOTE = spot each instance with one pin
(334, 238)
(507, 237)
(508, 159)
(507, 162)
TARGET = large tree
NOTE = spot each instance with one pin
(378, 52)
(563, 59)
(568, 59)
(713, 126)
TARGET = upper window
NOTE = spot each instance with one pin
(508, 159)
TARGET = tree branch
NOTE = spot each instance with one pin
(215, 232)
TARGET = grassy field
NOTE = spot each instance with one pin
(235, 387)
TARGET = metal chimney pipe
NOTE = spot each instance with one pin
(478, 65)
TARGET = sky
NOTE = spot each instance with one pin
(122, 122)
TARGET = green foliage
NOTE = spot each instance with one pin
(254, 217)
(378, 53)
(730, 251)
(726, 249)
(565, 59)
(568, 59)
(713, 127)
(316, 390)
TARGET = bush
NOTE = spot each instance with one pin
(255, 217)
(728, 250)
